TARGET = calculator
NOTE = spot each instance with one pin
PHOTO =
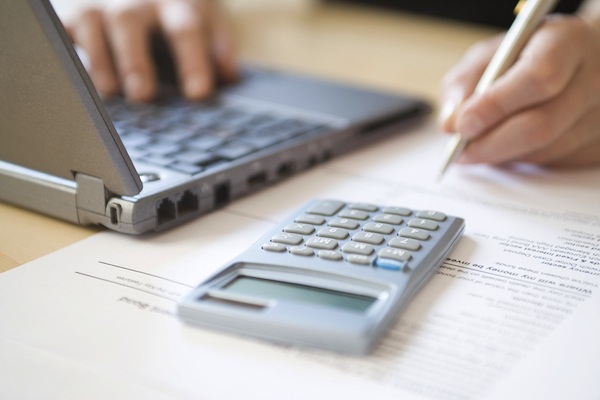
(334, 275)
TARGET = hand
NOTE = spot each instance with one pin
(544, 110)
(116, 40)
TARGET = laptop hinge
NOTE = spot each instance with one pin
(91, 195)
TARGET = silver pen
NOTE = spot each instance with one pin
(529, 16)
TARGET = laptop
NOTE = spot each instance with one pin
(135, 168)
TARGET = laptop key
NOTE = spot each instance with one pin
(190, 137)
(235, 150)
(203, 142)
(186, 168)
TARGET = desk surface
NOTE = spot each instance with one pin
(382, 49)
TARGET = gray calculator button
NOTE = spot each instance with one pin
(357, 248)
(322, 243)
(414, 233)
(329, 255)
(394, 254)
(368, 237)
(434, 215)
(325, 207)
(354, 214)
(423, 224)
(287, 238)
(363, 206)
(310, 219)
(388, 219)
(359, 259)
(378, 227)
(397, 211)
(302, 229)
(334, 233)
(404, 243)
(277, 247)
(344, 223)
(301, 251)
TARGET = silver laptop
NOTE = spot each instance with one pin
(66, 152)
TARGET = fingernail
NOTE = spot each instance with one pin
(134, 86)
(196, 86)
(446, 113)
(105, 82)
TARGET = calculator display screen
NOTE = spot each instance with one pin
(289, 291)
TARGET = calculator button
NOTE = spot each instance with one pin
(423, 224)
(276, 247)
(310, 219)
(395, 254)
(344, 223)
(330, 255)
(404, 243)
(326, 207)
(391, 264)
(368, 237)
(302, 229)
(354, 214)
(358, 259)
(322, 243)
(388, 219)
(334, 233)
(357, 248)
(378, 227)
(434, 215)
(364, 207)
(287, 238)
(397, 211)
(302, 251)
(414, 233)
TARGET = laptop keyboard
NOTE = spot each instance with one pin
(192, 137)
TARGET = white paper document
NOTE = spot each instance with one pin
(511, 314)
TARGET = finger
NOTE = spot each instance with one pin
(69, 27)
(223, 48)
(547, 127)
(543, 70)
(461, 80)
(186, 28)
(584, 157)
(580, 147)
(88, 33)
(129, 28)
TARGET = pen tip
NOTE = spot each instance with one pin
(455, 146)
(440, 175)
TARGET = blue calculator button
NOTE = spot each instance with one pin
(390, 264)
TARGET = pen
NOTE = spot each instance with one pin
(529, 15)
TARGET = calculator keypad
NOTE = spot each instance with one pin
(359, 233)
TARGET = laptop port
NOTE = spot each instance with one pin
(285, 169)
(222, 193)
(256, 179)
(114, 213)
(165, 211)
(187, 204)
